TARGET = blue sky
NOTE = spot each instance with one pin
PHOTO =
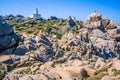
(62, 8)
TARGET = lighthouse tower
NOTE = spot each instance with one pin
(36, 15)
(36, 11)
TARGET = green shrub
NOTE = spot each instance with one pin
(97, 77)
(2, 67)
(59, 36)
(54, 33)
(19, 25)
(49, 26)
(16, 28)
(100, 75)
(31, 23)
(29, 31)
(25, 71)
(40, 28)
(116, 72)
(77, 32)
(92, 78)
(103, 69)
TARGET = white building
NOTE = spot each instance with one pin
(35, 15)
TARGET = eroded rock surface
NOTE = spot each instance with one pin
(64, 50)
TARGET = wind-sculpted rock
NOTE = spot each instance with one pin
(97, 33)
(94, 17)
(112, 33)
(44, 54)
(20, 50)
(5, 28)
(112, 24)
(84, 35)
(8, 38)
(105, 21)
(71, 22)
(5, 41)
(42, 39)
(95, 21)
(50, 49)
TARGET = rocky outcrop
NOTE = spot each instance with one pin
(73, 51)
(71, 21)
(96, 20)
(8, 39)
(97, 33)
(12, 43)
(38, 48)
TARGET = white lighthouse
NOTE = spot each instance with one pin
(36, 15)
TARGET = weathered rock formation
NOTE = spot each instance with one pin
(88, 50)
(8, 39)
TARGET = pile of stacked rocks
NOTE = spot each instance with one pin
(95, 39)
(104, 34)
(15, 47)
(81, 52)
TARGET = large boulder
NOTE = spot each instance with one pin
(44, 53)
(105, 21)
(112, 25)
(20, 50)
(94, 20)
(40, 38)
(4, 27)
(8, 38)
(4, 41)
(112, 33)
(97, 33)
(94, 17)
(102, 42)
(71, 22)
(44, 48)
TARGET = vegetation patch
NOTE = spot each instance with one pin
(29, 31)
(59, 36)
(2, 67)
(97, 77)
(103, 69)
(116, 72)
